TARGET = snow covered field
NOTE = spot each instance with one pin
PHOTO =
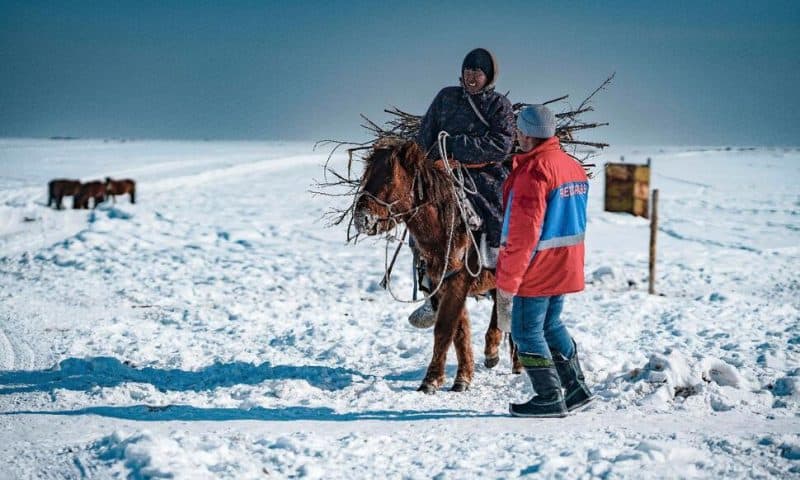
(217, 329)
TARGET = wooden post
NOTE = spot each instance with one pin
(653, 233)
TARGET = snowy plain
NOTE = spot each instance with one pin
(218, 329)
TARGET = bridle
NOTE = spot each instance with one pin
(396, 218)
(459, 188)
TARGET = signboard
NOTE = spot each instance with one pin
(627, 188)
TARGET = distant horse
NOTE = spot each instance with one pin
(60, 188)
(400, 185)
(121, 187)
(91, 190)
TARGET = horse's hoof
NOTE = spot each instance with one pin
(460, 386)
(517, 370)
(427, 389)
(491, 362)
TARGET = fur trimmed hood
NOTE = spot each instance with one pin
(481, 55)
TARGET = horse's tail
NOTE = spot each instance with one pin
(49, 193)
(133, 192)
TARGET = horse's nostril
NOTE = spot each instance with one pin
(361, 221)
(365, 222)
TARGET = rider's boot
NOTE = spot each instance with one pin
(425, 315)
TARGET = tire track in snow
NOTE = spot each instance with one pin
(667, 230)
(271, 165)
(6, 352)
(15, 354)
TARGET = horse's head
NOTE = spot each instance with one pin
(386, 195)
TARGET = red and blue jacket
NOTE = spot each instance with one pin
(544, 198)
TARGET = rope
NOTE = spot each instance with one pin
(388, 272)
(459, 184)
(461, 190)
(444, 271)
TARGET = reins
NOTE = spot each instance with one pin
(460, 189)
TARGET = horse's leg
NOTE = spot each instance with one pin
(491, 353)
(466, 360)
(516, 366)
(451, 301)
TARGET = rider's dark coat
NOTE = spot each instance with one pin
(474, 144)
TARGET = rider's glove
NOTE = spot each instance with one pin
(504, 302)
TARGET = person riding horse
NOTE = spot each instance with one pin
(480, 127)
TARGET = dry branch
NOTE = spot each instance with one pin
(402, 126)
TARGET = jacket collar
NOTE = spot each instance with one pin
(550, 144)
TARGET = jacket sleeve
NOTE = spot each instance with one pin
(522, 227)
(429, 129)
(494, 145)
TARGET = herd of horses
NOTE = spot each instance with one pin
(401, 186)
(94, 191)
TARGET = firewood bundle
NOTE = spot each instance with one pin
(403, 126)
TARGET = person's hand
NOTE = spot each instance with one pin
(504, 301)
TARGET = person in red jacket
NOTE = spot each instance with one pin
(541, 259)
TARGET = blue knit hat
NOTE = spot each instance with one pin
(536, 121)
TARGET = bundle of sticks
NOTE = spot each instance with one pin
(403, 126)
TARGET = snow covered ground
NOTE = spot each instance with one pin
(217, 329)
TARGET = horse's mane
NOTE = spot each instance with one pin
(436, 184)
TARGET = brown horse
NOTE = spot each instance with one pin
(121, 187)
(91, 190)
(60, 188)
(400, 185)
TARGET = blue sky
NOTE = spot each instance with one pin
(710, 73)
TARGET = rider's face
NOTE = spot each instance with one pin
(474, 80)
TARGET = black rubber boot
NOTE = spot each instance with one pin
(576, 393)
(548, 401)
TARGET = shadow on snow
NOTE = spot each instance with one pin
(85, 374)
(190, 413)
(419, 374)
